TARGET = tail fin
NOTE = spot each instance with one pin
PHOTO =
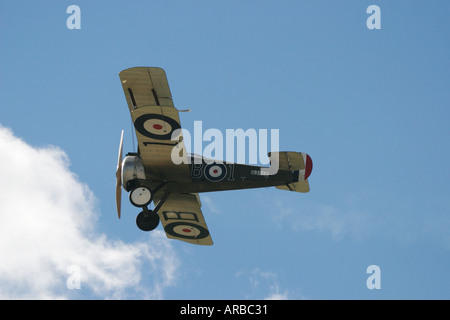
(299, 163)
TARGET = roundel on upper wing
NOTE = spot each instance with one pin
(186, 230)
(156, 126)
(215, 171)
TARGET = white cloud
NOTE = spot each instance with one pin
(209, 204)
(363, 217)
(265, 283)
(336, 220)
(47, 225)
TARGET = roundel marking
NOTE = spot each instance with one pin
(186, 230)
(156, 126)
(215, 171)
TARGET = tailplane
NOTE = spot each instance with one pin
(298, 162)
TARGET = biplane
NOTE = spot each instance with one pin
(150, 175)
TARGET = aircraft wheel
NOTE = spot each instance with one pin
(141, 197)
(147, 222)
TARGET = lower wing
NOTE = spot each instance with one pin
(183, 219)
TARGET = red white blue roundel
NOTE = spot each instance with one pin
(186, 230)
(156, 126)
(215, 171)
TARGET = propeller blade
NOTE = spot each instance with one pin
(119, 177)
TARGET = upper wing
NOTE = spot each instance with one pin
(155, 120)
(144, 86)
(182, 219)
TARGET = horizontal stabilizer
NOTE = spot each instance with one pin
(289, 160)
(301, 186)
(293, 161)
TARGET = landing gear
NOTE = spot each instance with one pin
(141, 196)
(147, 220)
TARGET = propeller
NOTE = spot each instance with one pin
(119, 177)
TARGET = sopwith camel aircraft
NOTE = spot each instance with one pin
(151, 174)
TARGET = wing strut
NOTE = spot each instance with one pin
(161, 202)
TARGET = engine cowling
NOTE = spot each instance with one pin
(132, 169)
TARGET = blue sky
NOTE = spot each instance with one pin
(369, 106)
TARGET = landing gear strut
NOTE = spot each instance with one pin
(141, 196)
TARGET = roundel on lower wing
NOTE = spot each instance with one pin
(215, 171)
(156, 126)
(186, 230)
